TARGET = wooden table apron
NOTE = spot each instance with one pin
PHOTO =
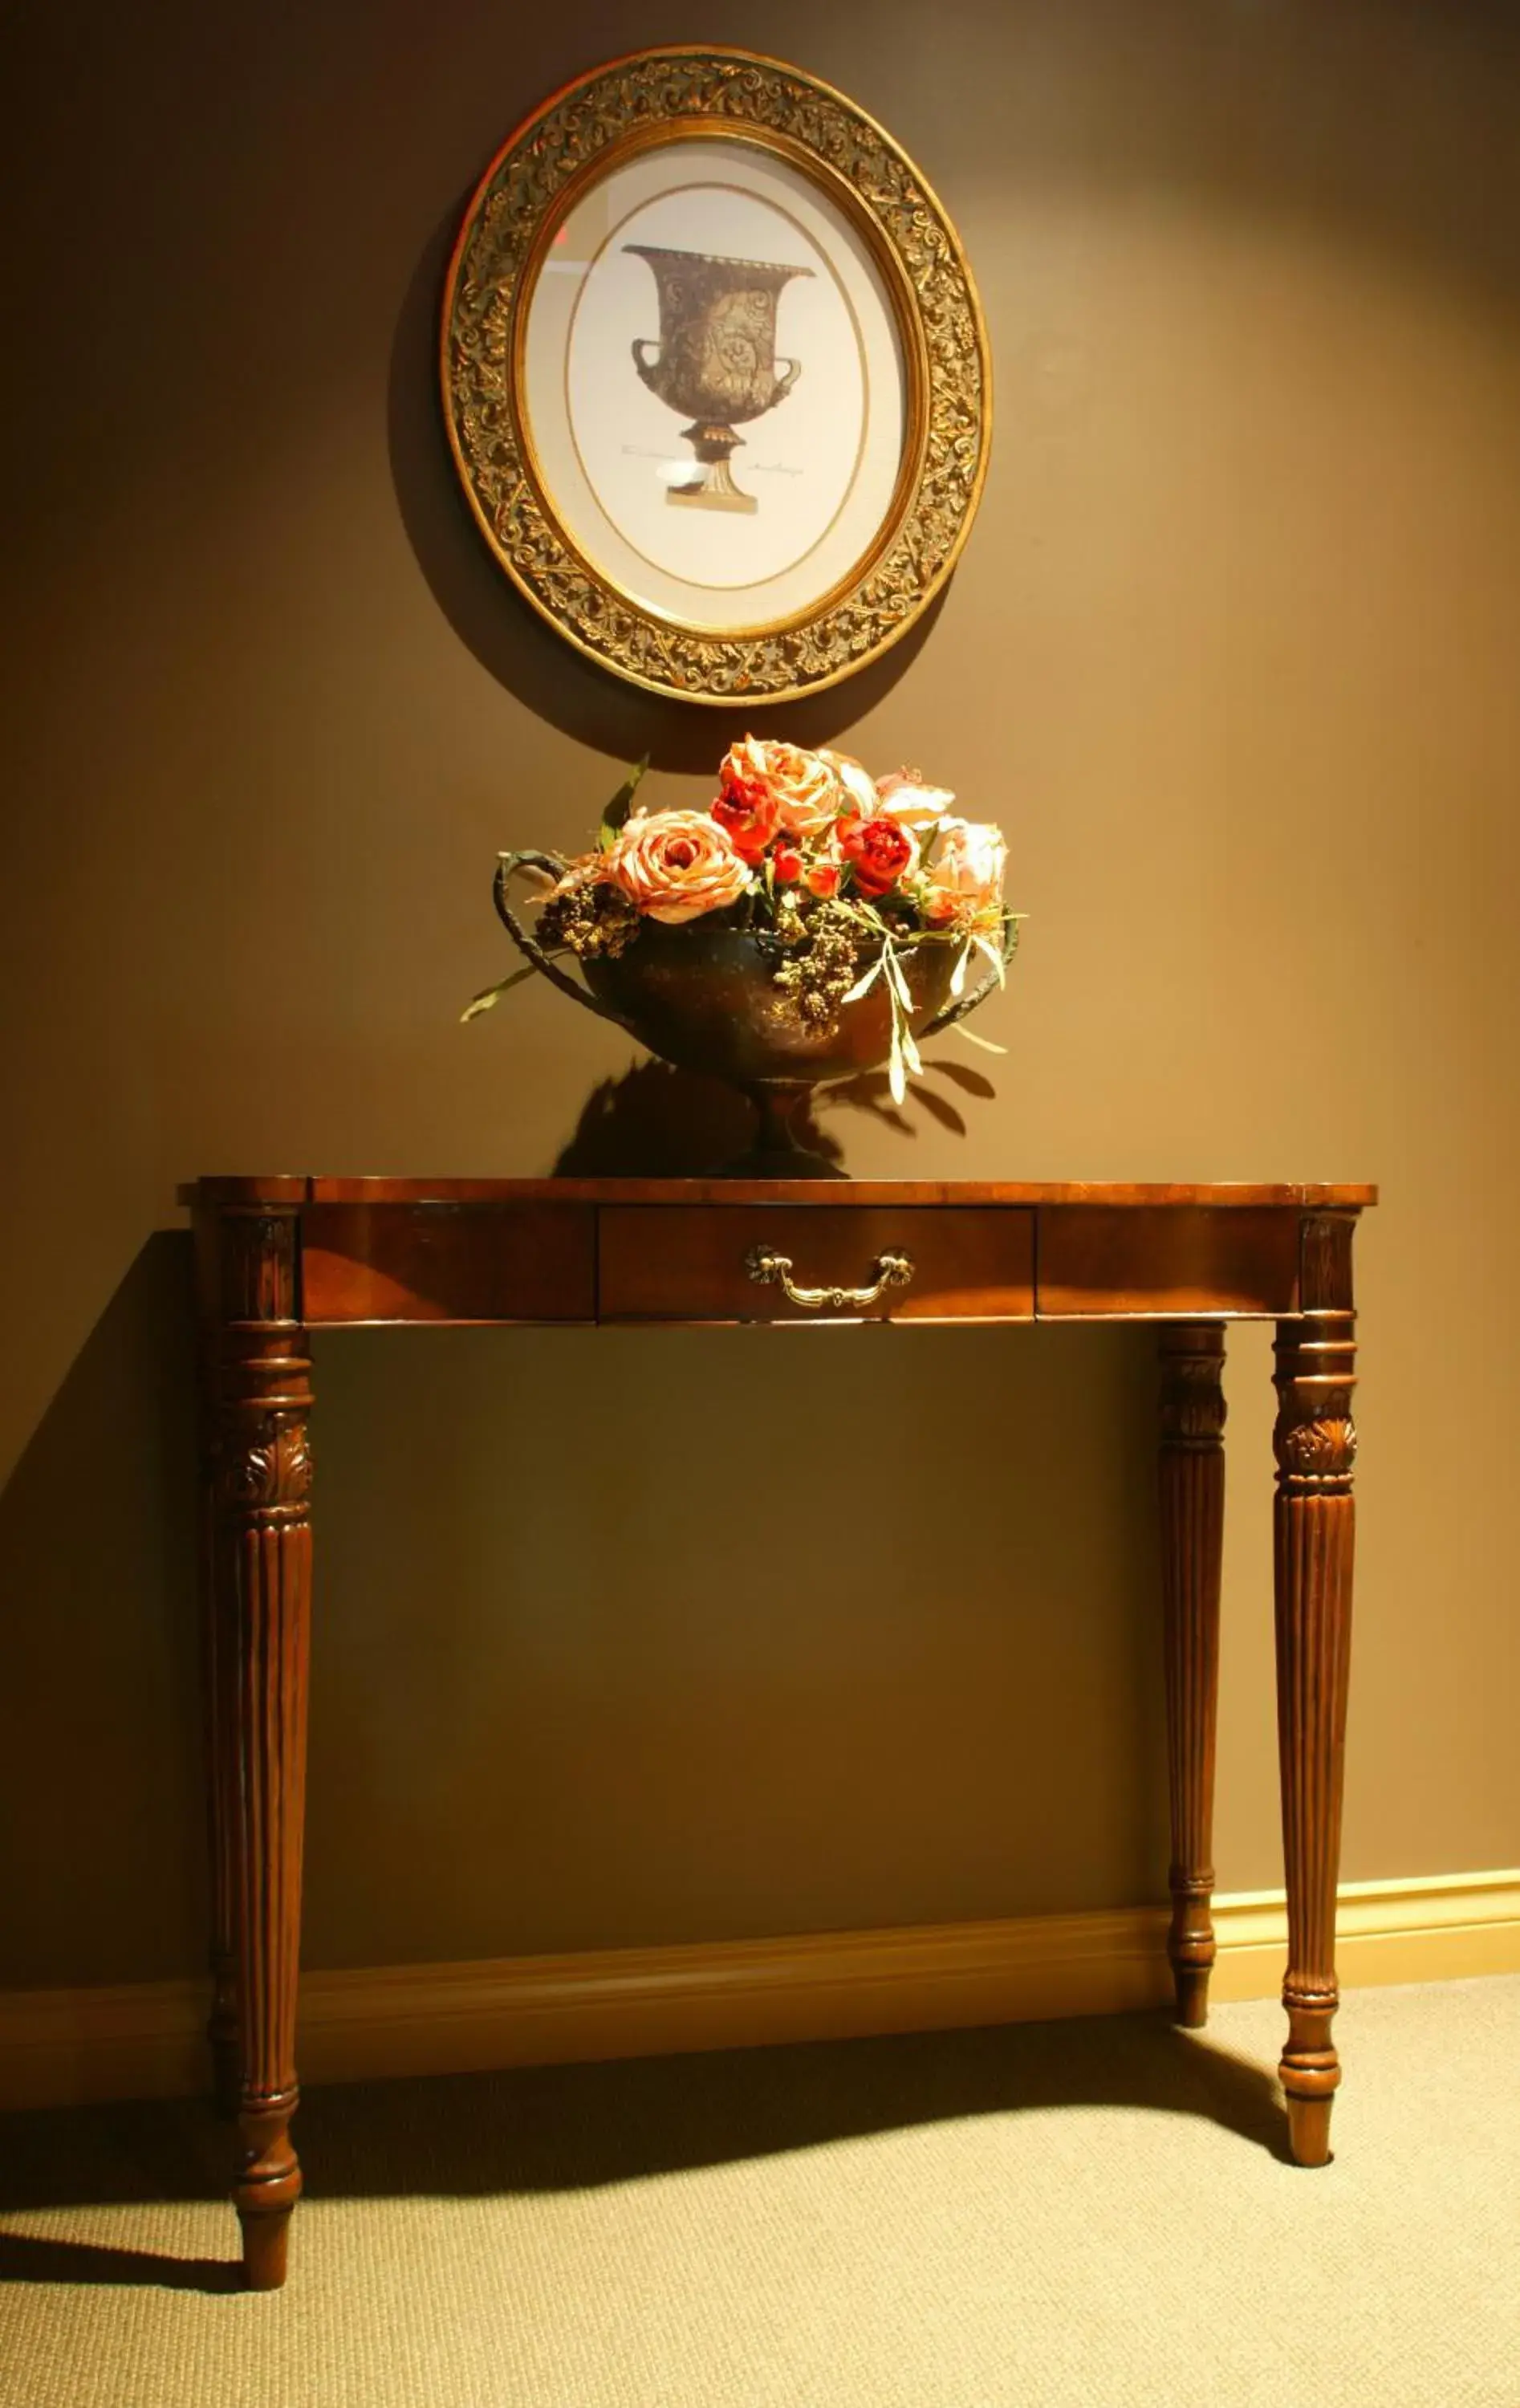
(277, 1257)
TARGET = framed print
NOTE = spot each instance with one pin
(716, 376)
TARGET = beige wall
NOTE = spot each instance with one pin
(1231, 654)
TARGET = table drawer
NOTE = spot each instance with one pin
(448, 1262)
(1167, 1263)
(658, 1261)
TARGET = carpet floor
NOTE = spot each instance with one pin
(1095, 2215)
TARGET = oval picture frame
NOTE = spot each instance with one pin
(712, 236)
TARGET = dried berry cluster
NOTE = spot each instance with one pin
(819, 974)
(590, 918)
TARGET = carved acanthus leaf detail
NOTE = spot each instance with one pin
(266, 1463)
(1192, 1400)
(1319, 1448)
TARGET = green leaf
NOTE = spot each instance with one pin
(622, 803)
(995, 956)
(972, 1038)
(866, 914)
(863, 984)
(491, 994)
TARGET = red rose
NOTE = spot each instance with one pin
(878, 850)
(822, 877)
(750, 812)
(786, 861)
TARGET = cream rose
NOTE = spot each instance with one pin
(963, 881)
(858, 784)
(802, 786)
(903, 793)
(674, 865)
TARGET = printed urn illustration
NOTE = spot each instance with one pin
(715, 359)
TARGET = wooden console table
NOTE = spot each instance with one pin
(278, 1257)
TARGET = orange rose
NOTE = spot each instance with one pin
(747, 811)
(880, 851)
(677, 865)
(802, 786)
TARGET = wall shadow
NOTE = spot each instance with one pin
(99, 1684)
(521, 1737)
(507, 637)
(564, 2128)
(657, 1121)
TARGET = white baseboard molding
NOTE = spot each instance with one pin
(59, 2047)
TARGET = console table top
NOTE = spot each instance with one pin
(318, 1188)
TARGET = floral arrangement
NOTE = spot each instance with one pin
(836, 875)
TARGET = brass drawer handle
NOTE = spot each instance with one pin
(768, 1270)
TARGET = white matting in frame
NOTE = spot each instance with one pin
(780, 290)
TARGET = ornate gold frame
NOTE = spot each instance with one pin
(682, 93)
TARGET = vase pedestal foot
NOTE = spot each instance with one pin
(776, 1151)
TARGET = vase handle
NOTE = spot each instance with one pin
(784, 383)
(529, 947)
(965, 1003)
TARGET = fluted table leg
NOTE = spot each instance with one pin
(1191, 1473)
(261, 1584)
(1315, 1444)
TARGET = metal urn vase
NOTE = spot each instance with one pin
(706, 998)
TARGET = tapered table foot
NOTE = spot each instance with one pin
(1308, 2130)
(1192, 1988)
(266, 2240)
(267, 2187)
